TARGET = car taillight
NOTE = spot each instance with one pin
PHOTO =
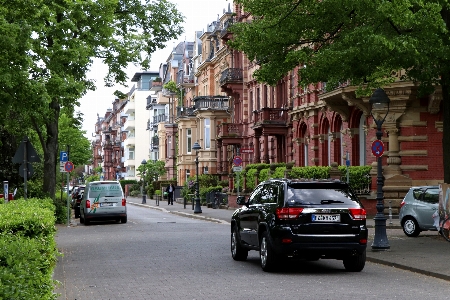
(288, 212)
(357, 213)
(88, 204)
(402, 203)
(124, 202)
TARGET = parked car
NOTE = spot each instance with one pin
(103, 200)
(417, 209)
(286, 218)
(77, 195)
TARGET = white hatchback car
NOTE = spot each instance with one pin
(103, 200)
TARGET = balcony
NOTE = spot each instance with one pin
(130, 124)
(156, 86)
(231, 76)
(168, 94)
(161, 99)
(211, 102)
(129, 162)
(225, 33)
(150, 102)
(130, 107)
(271, 120)
(229, 130)
(187, 81)
(185, 111)
(159, 118)
(130, 141)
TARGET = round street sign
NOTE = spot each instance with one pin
(68, 166)
(377, 148)
(237, 160)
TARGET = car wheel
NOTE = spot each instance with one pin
(355, 263)
(410, 227)
(237, 251)
(123, 220)
(266, 254)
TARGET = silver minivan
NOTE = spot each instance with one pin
(103, 200)
(417, 209)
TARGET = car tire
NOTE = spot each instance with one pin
(86, 222)
(267, 254)
(237, 251)
(81, 219)
(411, 227)
(355, 263)
(123, 220)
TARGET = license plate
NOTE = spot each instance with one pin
(105, 204)
(326, 218)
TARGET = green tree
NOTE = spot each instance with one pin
(363, 41)
(153, 169)
(171, 86)
(51, 46)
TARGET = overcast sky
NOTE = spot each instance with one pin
(197, 13)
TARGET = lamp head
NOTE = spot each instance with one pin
(196, 146)
(379, 99)
(144, 162)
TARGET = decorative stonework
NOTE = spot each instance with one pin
(439, 126)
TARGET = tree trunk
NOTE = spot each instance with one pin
(446, 127)
(50, 151)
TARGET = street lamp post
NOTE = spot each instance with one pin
(380, 101)
(197, 209)
(144, 196)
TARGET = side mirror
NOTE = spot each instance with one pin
(240, 200)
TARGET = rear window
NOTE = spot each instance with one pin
(105, 190)
(430, 195)
(331, 195)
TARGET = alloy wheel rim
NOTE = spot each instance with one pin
(233, 244)
(263, 251)
(409, 226)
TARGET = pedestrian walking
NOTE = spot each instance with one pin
(170, 190)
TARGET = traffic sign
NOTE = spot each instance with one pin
(61, 166)
(237, 169)
(63, 156)
(377, 148)
(68, 166)
(237, 160)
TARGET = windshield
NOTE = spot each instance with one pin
(105, 190)
(322, 196)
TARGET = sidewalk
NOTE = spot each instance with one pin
(426, 254)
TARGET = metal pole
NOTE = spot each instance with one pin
(25, 168)
(198, 208)
(380, 241)
(144, 196)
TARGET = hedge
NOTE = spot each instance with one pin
(28, 252)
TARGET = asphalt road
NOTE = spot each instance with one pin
(158, 255)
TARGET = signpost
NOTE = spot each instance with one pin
(246, 150)
(377, 148)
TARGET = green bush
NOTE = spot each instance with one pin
(27, 249)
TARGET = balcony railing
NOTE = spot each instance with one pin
(226, 25)
(229, 130)
(211, 102)
(185, 80)
(275, 116)
(159, 118)
(185, 111)
(231, 75)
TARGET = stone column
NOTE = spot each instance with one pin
(257, 152)
(394, 160)
(266, 149)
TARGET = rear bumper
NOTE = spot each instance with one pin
(335, 246)
(104, 216)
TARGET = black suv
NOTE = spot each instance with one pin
(287, 218)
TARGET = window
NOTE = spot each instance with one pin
(205, 170)
(169, 145)
(131, 153)
(189, 140)
(188, 174)
(207, 133)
